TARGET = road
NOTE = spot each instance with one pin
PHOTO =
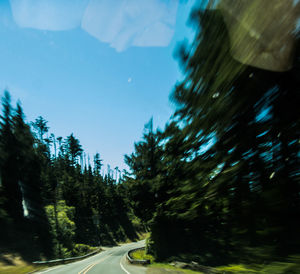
(111, 261)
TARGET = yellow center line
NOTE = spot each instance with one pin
(83, 269)
(89, 267)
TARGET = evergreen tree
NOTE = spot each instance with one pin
(73, 148)
(40, 125)
(10, 169)
(145, 164)
(229, 157)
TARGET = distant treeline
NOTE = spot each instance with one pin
(52, 206)
(220, 183)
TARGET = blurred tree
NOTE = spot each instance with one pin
(63, 232)
(145, 164)
(40, 125)
(10, 169)
(232, 138)
(97, 164)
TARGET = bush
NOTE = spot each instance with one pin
(82, 249)
(140, 254)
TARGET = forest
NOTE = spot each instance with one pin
(50, 202)
(218, 185)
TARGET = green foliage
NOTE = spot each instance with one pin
(137, 224)
(235, 269)
(82, 249)
(140, 254)
(292, 265)
(61, 219)
(20, 269)
(163, 267)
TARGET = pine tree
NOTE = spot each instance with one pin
(73, 148)
(145, 164)
(10, 170)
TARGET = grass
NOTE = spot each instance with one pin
(167, 266)
(19, 269)
(291, 267)
(274, 268)
(140, 254)
(13, 264)
(235, 269)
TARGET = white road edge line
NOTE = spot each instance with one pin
(123, 266)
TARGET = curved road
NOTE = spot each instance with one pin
(111, 261)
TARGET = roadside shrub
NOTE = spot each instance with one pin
(82, 249)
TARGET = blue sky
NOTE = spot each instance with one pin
(96, 68)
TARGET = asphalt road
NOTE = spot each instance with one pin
(111, 261)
